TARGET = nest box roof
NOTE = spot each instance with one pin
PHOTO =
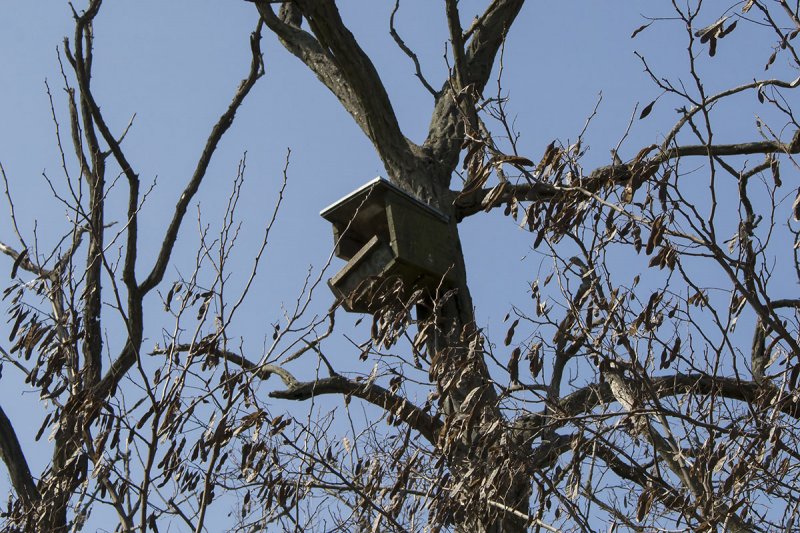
(370, 198)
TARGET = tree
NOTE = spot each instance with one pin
(644, 404)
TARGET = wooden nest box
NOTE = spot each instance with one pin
(386, 235)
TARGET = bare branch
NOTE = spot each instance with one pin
(427, 425)
(541, 191)
(445, 135)
(14, 458)
(334, 55)
(410, 53)
(585, 399)
(225, 121)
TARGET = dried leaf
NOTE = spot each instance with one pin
(637, 161)
(470, 395)
(516, 160)
(675, 350)
(17, 262)
(796, 207)
(627, 194)
(513, 365)
(473, 151)
(664, 360)
(144, 419)
(771, 60)
(663, 194)
(493, 197)
(643, 505)
(535, 359)
(658, 259)
(727, 30)
(20, 317)
(711, 31)
(640, 29)
(510, 333)
(774, 165)
(170, 294)
(636, 233)
(539, 238)
(656, 233)
(647, 109)
(43, 426)
(550, 157)
(793, 376)
(477, 181)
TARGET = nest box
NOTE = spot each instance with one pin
(385, 234)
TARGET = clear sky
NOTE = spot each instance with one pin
(176, 64)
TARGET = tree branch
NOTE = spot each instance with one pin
(219, 129)
(410, 53)
(334, 55)
(81, 63)
(22, 260)
(427, 425)
(636, 474)
(585, 399)
(668, 140)
(456, 43)
(127, 357)
(445, 133)
(83, 75)
(468, 205)
(305, 47)
(12, 455)
(669, 451)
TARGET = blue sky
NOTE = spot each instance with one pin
(176, 65)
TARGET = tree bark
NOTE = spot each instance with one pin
(487, 464)
(12, 455)
(489, 485)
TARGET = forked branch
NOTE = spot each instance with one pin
(334, 55)
(223, 124)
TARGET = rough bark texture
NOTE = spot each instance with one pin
(13, 457)
(332, 53)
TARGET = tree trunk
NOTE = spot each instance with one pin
(489, 485)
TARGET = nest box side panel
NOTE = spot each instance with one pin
(346, 245)
(357, 217)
